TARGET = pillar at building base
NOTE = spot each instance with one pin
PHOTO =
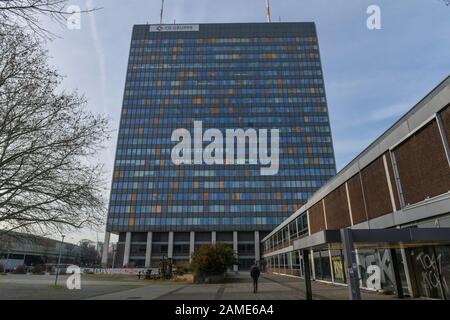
(191, 245)
(126, 252)
(235, 249)
(105, 250)
(213, 237)
(170, 247)
(148, 250)
(257, 248)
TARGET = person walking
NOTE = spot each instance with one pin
(254, 273)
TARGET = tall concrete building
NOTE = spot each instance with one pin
(257, 84)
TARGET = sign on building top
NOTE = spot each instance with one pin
(174, 27)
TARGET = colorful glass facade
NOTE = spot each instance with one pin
(252, 75)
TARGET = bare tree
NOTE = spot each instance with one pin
(30, 12)
(49, 178)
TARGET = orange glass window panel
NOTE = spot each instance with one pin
(158, 209)
(133, 197)
(278, 195)
(205, 196)
(222, 184)
(141, 131)
(306, 119)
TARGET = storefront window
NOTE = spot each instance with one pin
(337, 260)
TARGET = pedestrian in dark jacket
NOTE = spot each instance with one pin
(254, 273)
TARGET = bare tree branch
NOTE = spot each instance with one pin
(49, 179)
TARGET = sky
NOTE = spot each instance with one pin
(372, 77)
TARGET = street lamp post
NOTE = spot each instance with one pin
(59, 259)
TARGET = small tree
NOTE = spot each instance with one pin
(213, 259)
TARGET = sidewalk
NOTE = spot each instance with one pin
(239, 287)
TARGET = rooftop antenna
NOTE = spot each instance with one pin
(162, 10)
(268, 10)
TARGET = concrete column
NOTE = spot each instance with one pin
(257, 247)
(213, 237)
(126, 252)
(350, 262)
(313, 267)
(105, 250)
(191, 244)
(388, 178)
(148, 250)
(235, 248)
(443, 136)
(170, 245)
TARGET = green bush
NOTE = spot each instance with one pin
(212, 259)
(21, 269)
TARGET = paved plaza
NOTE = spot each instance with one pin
(237, 287)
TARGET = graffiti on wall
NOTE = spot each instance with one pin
(430, 266)
(375, 269)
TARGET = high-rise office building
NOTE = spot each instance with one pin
(255, 84)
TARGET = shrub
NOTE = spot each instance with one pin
(38, 269)
(20, 269)
(183, 269)
(212, 259)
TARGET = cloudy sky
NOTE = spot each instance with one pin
(372, 77)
